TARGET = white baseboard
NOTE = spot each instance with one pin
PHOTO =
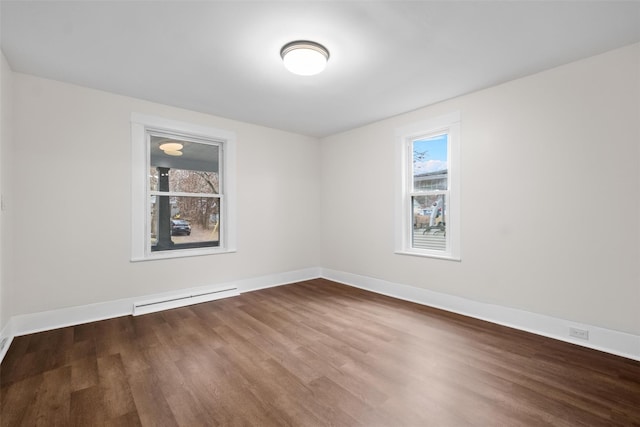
(6, 337)
(607, 340)
(37, 322)
(279, 279)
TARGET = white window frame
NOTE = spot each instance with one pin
(403, 215)
(141, 126)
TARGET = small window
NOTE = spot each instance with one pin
(183, 189)
(427, 211)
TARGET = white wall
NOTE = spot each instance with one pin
(72, 186)
(5, 168)
(550, 196)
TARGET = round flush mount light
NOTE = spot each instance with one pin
(304, 57)
(173, 153)
(170, 146)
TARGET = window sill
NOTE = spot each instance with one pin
(193, 245)
(182, 253)
(446, 257)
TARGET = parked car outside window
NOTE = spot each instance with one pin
(180, 227)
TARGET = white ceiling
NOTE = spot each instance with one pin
(387, 58)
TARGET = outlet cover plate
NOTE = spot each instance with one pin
(579, 333)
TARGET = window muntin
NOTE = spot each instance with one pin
(427, 210)
(183, 203)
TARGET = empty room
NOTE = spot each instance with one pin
(302, 213)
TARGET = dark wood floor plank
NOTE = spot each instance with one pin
(88, 407)
(301, 395)
(17, 398)
(203, 383)
(236, 342)
(336, 396)
(56, 339)
(52, 400)
(150, 403)
(114, 382)
(315, 353)
(84, 373)
(290, 411)
(84, 332)
(187, 411)
(227, 395)
(82, 350)
(25, 366)
(127, 420)
(13, 361)
(370, 392)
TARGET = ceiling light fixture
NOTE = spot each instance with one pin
(171, 146)
(173, 153)
(304, 57)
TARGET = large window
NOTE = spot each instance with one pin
(182, 189)
(427, 198)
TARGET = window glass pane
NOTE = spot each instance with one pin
(191, 167)
(184, 181)
(187, 181)
(429, 222)
(153, 178)
(179, 222)
(430, 163)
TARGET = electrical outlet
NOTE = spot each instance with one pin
(579, 333)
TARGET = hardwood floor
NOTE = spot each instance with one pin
(308, 354)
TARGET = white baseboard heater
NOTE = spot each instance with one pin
(175, 301)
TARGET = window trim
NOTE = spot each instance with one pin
(403, 220)
(141, 124)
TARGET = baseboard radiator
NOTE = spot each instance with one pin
(175, 301)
